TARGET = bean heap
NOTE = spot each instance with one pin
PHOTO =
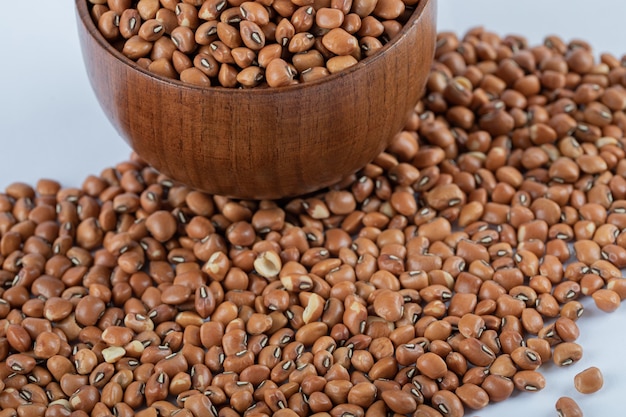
(253, 43)
(437, 279)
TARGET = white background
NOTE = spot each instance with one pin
(52, 127)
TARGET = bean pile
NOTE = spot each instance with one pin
(437, 279)
(239, 43)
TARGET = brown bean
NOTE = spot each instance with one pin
(252, 35)
(529, 381)
(279, 73)
(606, 300)
(589, 380)
(340, 63)
(340, 42)
(567, 407)
(476, 352)
(161, 224)
(310, 332)
(526, 358)
(567, 353)
(88, 310)
(472, 396)
(448, 403)
(499, 388)
(399, 401)
(18, 338)
(431, 365)
(85, 398)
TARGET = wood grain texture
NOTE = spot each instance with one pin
(263, 143)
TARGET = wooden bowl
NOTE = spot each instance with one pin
(263, 143)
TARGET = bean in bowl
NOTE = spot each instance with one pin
(242, 44)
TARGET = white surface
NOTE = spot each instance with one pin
(51, 126)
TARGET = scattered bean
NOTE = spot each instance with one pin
(567, 407)
(589, 380)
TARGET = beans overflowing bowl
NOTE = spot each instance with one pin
(261, 142)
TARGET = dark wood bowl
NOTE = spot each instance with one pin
(263, 143)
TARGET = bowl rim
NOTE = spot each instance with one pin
(86, 20)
